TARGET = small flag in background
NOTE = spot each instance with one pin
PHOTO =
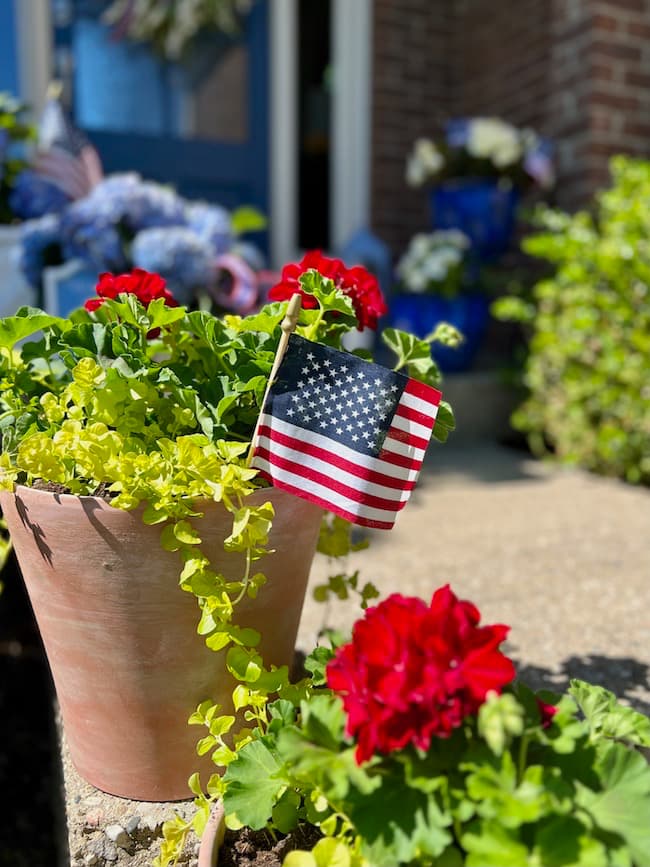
(344, 433)
(65, 156)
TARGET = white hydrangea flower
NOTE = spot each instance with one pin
(415, 172)
(430, 257)
(494, 139)
(425, 162)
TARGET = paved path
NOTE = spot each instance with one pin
(561, 556)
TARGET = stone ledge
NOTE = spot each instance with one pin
(106, 831)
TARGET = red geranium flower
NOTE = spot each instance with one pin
(358, 283)
(143, 284)
(546, 712)
(413, 672)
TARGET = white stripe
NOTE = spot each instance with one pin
(339, 449)
(413, 428)
(326, 494)
(420, 405)
(397, 447)
(328, 469)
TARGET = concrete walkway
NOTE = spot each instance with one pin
(561, 556)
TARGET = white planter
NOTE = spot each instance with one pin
(15, 291)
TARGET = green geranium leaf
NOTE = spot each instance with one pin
(500, 718)
(397, 823)
(27, 321)
(607, 718)
(564, 841)
(489, 844)
(413, 354)
(253, 784)
(285, 812)
(328, 296)
(316, 664)
(623, 805)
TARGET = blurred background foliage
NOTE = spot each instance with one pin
(587, 370)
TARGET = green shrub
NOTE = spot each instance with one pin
(588, 367)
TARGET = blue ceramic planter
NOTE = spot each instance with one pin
(481, 208)
(419, 314)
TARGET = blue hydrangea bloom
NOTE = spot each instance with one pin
(212, 224)
(33, 196)
(40, 246)
(91, 234)
(178, 254)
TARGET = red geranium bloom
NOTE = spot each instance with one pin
(143, 284)
(358, 283)
(413, 672)
(546, 712)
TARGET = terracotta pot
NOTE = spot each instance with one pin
(212, 837)
(121, 637)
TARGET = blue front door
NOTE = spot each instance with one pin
(200, 125)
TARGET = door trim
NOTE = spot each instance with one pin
(34, 50)
(351, 118)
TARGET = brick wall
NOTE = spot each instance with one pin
(578, 71)
(410, 97)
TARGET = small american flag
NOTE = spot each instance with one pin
(344, 433)
(65, 156)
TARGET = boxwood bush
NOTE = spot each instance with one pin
(588, 368)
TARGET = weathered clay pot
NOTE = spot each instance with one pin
(120, 635)
(212, 838)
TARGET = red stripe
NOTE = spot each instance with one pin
(423, 391)
(415, 415)
(398, 460)
(333, 459)
(307, 495)
(307, 472)
(403, 436)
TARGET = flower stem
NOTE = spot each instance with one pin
(523, 753)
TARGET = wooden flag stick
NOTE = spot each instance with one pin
(288, 326)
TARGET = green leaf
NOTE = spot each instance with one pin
(500, 718)
(252, 785)
(316, 664)
(607, 718)
(492, 845)
(563, 841)
(397, 823)
(414, 354)
(285, 812)
(330, 298)
(623, 805)
(247, 219)
(27, 321)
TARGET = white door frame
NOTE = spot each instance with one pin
(351, 116)
(34, 50)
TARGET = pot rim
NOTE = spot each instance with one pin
(41, 492)
(212, 837)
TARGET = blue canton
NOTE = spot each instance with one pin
(336, 394)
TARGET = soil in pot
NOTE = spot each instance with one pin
(246, 848)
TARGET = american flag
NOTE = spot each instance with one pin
(64, 156)
(344, 433)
